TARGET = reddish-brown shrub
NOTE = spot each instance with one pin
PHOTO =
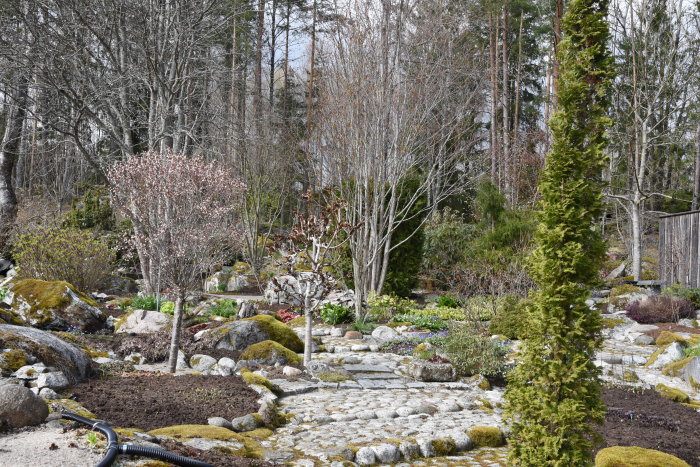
(660, 309)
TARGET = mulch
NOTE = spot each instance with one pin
(645, 419)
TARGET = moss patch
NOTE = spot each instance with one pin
(609, 323)
(13, 360)
(629, 376)
(279, 332)
(444, 447)
(296, 322)
(619, 456)
(673, 394)
(655, 355)
(253, 378)
(332, 376)
(72, 406)
(673, 369)
(196, 431)
(486, 436)
(668, 337)
(258, 433)
(270, 350)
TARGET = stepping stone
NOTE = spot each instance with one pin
(367, 368)
(376, 376)
(292, 388)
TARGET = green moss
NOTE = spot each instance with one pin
(673, 369)
(266, 350)
(279, 332)
(45, 297)
(13, 360)
(296, 322)
(43, 353)
(71, 405)
(629, 376)
(186, 432)
(241, 267)
(10, 317)
(332, 376)
(444, 447)
(673, 394)
(655, 355)
(668, 337)
(632, 456)
(253, 378)
(122, 319)
(486, 436)
(484, 384)
(609, 323)
(693, 405)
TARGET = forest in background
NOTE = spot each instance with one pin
(428, 118)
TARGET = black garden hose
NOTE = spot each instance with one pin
(114, 448)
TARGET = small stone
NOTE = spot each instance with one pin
(48, 394)
(226, 362)
(291, 371)
(352, 360)
(633, 360)
(20, 407)
(449, 407)
(643, 339)
(337, 332)
(219, 421)
(31, 372)
(323, 419)
(202, 363)
(384, 333)
(353, 335)
(426, 447)
(53, 380)
(406, 411)
(365, 456)
(386, 453)
(387, 413)
(135, 358)
(359, 348)
(427, 409)
(462, 441)
(244, 423)
(366, 415)
(409, 450)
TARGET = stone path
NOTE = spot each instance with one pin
(381, 405)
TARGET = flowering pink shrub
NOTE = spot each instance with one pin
(660, 309)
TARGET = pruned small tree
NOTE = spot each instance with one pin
(309, 253)
(183, 212)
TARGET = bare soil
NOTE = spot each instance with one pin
(647, 420)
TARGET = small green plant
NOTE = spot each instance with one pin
(335, 314)
(144, 302)
(447, 301)
(444, 313)
(472, 353)
(3, 292)
(364, 325)
(692, 351)
(432, 323)
(224, 308)
(221, 287)
(92, 438)
(168, 308)
(381, 307)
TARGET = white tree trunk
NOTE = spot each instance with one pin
(636, 214)
(175, 335)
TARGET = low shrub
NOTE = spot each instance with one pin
(692, 351)
(472, 353)
(168, 308)
(364, 325)
(3, 292)
(335, 314)
(688, 293)
(382, 307)
(444, 313)
(511, 318)
(431, 323)
(70, 255)
(224, 308)
(145, 302)
(660, 309)
(286, 316)
(447, 301)
(407, 345)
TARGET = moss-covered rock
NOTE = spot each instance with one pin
(12, 360)
(486, 436)
(668, 337)
(443, 447)
(185, 432)
(253, 378)
(270, 353)
(332, 376)
(675, 368)
(673, 394)
(55, 306)
(10, 317)
(47, 348)
(629, 376)
(239, 335)
(632, 456)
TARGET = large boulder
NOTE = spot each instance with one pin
(227, 280)
(48, 349)
(270, 353)
(239, 335)
(423, 370)
(20, 407)
(142, 322)
(665, 357)
(691, 372)
(55, 306)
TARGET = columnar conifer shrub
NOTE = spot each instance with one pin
(183, 213)
(553, 398)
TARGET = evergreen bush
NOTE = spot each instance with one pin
(472, 353)
(553, 396)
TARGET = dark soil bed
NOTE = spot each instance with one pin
(150, 402)
(647, 420)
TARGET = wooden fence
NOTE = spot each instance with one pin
(679, 242)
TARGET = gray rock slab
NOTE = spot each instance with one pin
(365, 368)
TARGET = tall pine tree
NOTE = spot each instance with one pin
(553, 397)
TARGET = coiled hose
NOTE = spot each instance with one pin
(114, 448)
